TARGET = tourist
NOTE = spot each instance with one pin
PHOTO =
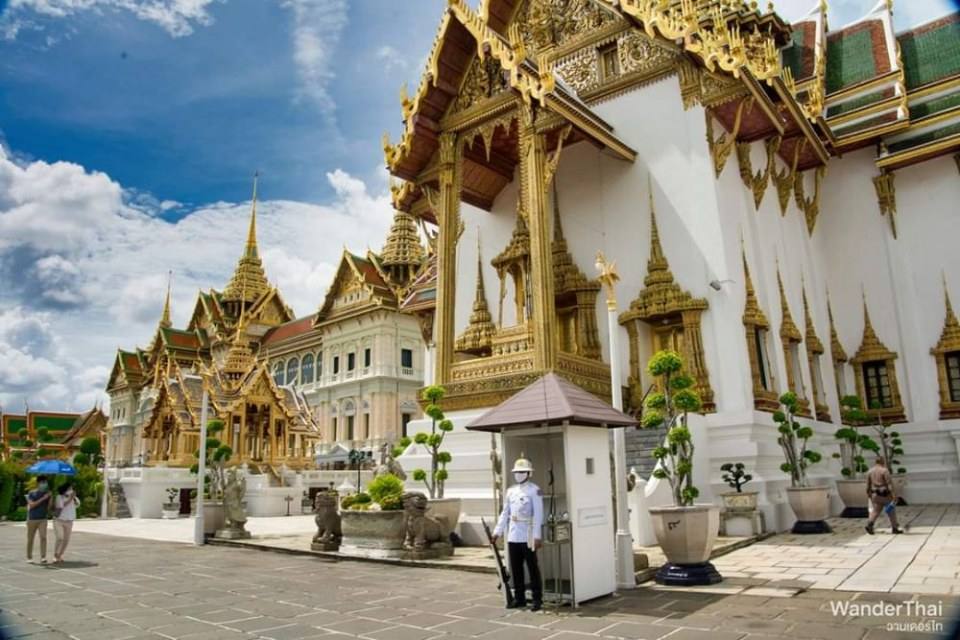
(65, 512)
(522, 517)
(882, 495)
(38, 504)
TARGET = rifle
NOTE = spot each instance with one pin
(503, 574)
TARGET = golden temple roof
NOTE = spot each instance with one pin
(249, 282)
(403, 243)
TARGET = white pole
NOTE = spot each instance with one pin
(201, 471)
(626, 578)
(106, 478)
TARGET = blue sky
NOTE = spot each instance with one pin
(129, 131)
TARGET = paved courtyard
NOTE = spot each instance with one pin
(120, 588)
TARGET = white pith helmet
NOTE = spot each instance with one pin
(522, 465)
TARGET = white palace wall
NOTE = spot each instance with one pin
(702, 220)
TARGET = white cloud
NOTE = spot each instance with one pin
(391, 58)
(91, 270)
(176, 17)
(317, 27)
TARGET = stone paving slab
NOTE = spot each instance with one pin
(218, 593)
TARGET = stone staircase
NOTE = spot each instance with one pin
(118, 501)
(640, 446)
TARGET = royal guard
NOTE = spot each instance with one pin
(522, 518)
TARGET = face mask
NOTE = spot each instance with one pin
(520, 476)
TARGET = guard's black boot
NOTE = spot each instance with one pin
(869, 529)
(516, 604)
(536, 606)
(897, 530)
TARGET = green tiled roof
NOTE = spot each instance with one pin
(934, 106)
(856, 103)
(793, 55)
(849, 59)
(862, 126)
(54, 423)
(932, 54)
(926, 137)
(16, 425)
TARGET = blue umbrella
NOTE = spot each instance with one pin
(52, 468)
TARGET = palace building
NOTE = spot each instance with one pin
(285, 388)
(777, 198)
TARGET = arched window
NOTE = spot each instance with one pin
(306, 369)
(292, 365)
(278, 373)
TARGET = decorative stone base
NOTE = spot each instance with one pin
(690, 575)
(432, 553)
(805, 527)
(325, 546)
(741, 523)
(233, 534)
(855, 512)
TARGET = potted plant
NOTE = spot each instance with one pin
(685, 531)
(811, 505)
(736, 476)
(853, 486)
(372, 522)
(892, 446)
(435, 480)
(171, 508)
(218, 454)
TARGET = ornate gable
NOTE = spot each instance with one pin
(270, 310)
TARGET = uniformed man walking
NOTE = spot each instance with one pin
(881, 492)
(522, 518)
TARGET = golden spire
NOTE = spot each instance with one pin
(836, 349)
(165, 321)
(788, 328)
(658, 269)
(477, 338)
(249, 282)
(402, 252)
(240, 357)
(950, 336)
(752, 313)
(811, 338)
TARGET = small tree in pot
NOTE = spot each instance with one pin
(686, 532)
(811, 505)
(439, 427)
(736, 476)
(171, 508)
(890, 443)
(853, 444)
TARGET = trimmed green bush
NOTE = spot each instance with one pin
(384, 486)
(392, 503)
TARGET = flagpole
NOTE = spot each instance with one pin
(198, 524)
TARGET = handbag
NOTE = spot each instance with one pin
(889, 507)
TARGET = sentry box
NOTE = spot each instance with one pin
(562, 430)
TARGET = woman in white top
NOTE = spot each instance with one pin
(66, 513)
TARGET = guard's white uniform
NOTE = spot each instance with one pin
(522, 514)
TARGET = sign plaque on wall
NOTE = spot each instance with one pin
(591, 516)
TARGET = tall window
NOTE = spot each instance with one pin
(292, 369)
(351, 361)
(306, 369)
(763, 361)
(366, 426)
(334, 422)
(406, 358)
(840, 373)
(953, 375)
(349, 427)
(816, 375)
(876, 382)
(404, 421)
(278, 373)
(319, 365)
(795, 369)
(367, 357)
(336, 365)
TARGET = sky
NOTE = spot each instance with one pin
(129, 134)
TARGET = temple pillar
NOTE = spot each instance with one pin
(242, 442)
(533, 188)
(273, 439)
(448, 218)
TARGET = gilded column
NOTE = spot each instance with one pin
(533, 189)
(242, 444)
(448, 218)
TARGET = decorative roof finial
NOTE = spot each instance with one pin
(251, 250)
(249, 278)
(165, 321)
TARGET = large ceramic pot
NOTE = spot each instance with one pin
(448, 508)
(811, 506)
(740, 502)
(375, 534)
(899, 482)
(170, 511)
(854, 496)
(686, 535)
(213, 516)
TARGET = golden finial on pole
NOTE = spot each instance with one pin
(608, 277)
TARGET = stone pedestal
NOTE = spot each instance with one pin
(233, 534)
(325, 546)
(741, 524)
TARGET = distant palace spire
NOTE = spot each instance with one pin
(165, 320)
(249, 282)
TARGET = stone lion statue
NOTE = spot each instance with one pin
(328, 522)
(422, 531)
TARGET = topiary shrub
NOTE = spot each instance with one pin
(351, 501)
(439, 427)
(392, 503)
(384, 486)
(793, 441)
